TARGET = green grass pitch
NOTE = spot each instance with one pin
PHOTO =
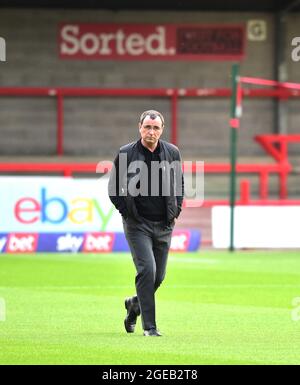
(212, 308)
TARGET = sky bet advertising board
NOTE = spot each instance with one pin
(54, 214)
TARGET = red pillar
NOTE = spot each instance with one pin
(174, 102)
(283, 190)
(245, 191)
(263, 188)
(60, 125)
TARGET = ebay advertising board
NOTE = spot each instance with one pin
(54, 204)
(54, 214)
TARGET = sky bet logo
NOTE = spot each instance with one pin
(19, 243)
(180, 241)
(90, 242)
(69, 242)
(2, 49)
(3, 241)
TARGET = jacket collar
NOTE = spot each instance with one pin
(141, 147)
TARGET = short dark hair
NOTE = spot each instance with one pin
(153, 115)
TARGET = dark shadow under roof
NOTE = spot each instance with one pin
(177, 5)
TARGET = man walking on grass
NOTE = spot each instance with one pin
(146, 185)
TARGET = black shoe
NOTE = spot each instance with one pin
(133, 311)
(152, 333)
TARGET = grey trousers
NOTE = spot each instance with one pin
(149, 244)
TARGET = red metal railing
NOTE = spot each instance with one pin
(277, 145)
(262, 170)
(174, 94)
(274, 145)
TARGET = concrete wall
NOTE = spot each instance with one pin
(97, 126)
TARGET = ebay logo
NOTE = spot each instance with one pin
(55, 210)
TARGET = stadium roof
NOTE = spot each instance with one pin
(201, 5)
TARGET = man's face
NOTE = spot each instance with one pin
(151, 130)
